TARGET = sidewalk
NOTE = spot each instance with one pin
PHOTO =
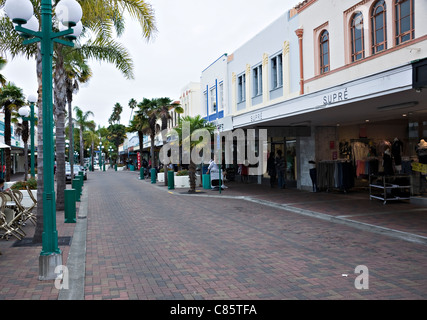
(400, 219)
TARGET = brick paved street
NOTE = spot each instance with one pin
(144, 242)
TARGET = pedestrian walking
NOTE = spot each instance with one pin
(271, 169)
(280, 168)
(313, 174)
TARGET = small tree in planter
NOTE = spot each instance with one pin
(22, 185)
(195, 123)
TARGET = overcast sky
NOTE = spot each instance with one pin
(191, 35)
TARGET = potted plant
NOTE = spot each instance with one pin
(182, 179)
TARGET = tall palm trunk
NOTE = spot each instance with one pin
(82, 159)
(7, 140)
(152, 151)
(60, 100)
(70, 128)
(40, 182)
(164, 127)
(25, 134)
(192, 176)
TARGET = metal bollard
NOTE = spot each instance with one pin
(206, 181)
(141, 173)
(153, 175)
(76, 185)
(70, 205)
(171, 180)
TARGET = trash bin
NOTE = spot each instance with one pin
(206, 181)
(171, 180)
(131, 167)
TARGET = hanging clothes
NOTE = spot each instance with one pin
(335, 174)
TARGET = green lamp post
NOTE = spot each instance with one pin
(100, 156)
(68, 13)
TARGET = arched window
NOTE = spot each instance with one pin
(404, 20)
(379, 27)
(324, 52)
(357, 39)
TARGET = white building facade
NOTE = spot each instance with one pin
(335, 82)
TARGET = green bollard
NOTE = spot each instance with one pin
(141, 173)
(70, 205)
(171, 180)
(76, 185)
(81, 184)
(153, 175)
(206, 181)
(115, 167)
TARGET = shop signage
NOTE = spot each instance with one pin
(256, 117)
(419, 167)
(335, 97)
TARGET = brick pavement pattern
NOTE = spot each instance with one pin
(145, 242)
(250, 242)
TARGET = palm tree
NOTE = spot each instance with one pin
(115, 116)
(77, 71)
(11, 98)
(140, 124)
(132, 105)
(2, 64)
(83, 123)
(147, 107)
(116, 134)
(91, 137)
(23, 130)
(101, 17)
(195, 123)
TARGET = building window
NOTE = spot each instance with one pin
(404, 20)
(241, 88)
(257, 83)
(357, 39)
(221, 96)
(205, 98)
(379, 27)
(276, 72)
(213, 100)
(324, 52)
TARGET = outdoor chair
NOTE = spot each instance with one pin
(32, 197)
(25, 212)
(9, 222)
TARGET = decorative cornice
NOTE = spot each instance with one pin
(351, 9)
(285, 48)
(264, 59)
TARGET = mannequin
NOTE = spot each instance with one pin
(388, 162)
(396, 151)
(422, 151)
(422, 158)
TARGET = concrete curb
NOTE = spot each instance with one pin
(76, 262)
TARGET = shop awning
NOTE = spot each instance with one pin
(4, 146)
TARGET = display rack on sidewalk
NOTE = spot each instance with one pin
(386, 188)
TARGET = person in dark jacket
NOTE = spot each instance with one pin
(271, 169)
(280, 169)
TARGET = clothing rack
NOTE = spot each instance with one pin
(335, 175)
